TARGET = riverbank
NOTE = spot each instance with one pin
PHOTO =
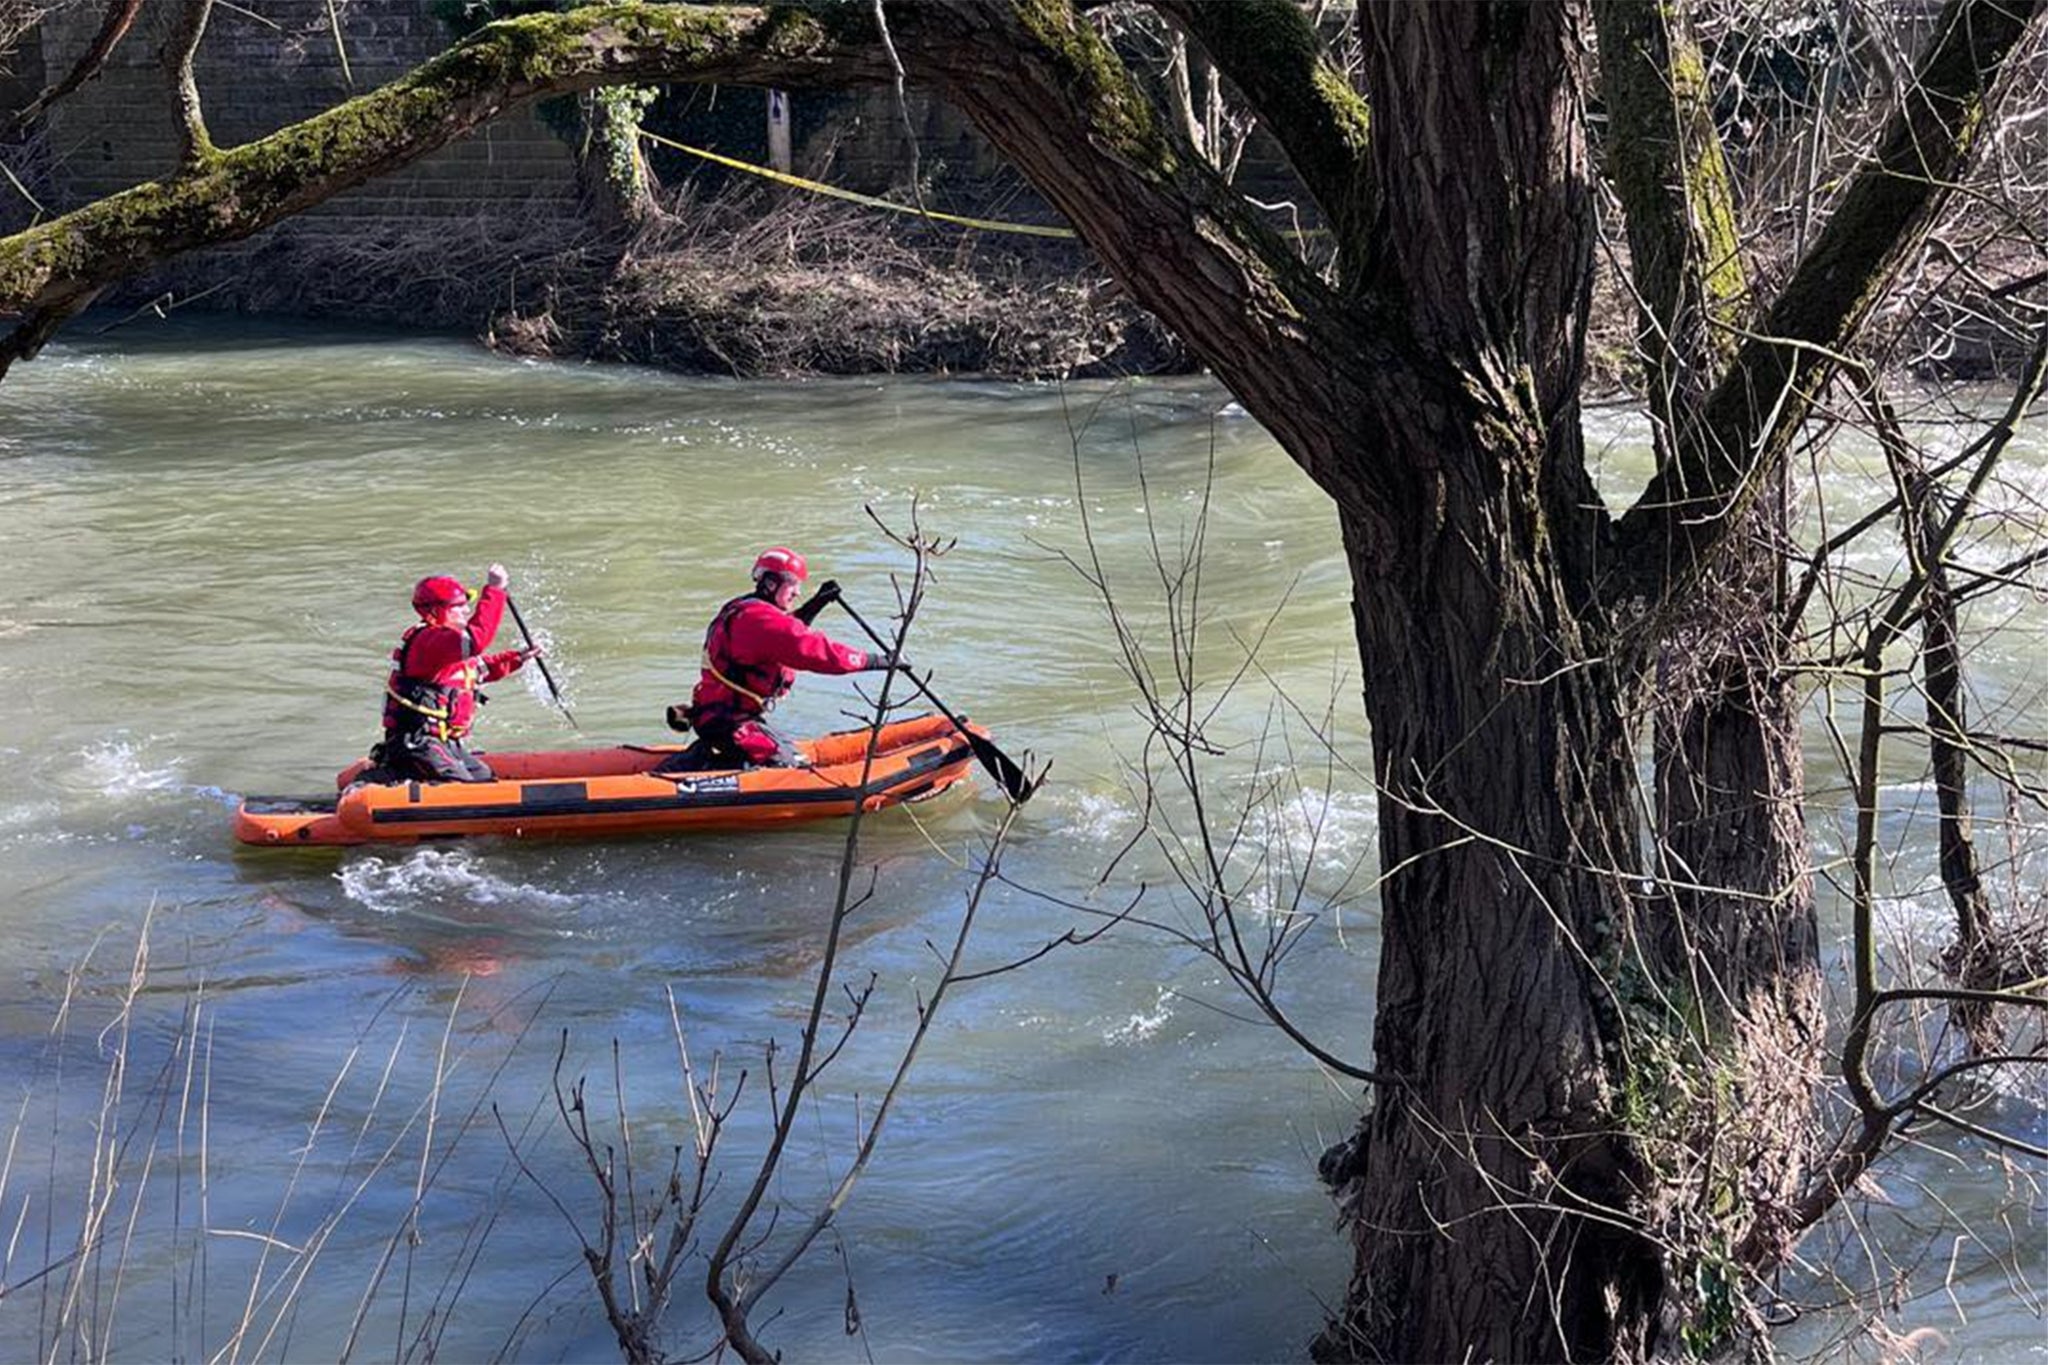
(763, 285)
(745, 287)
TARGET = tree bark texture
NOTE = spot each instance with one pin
(1736, 934)
(195, 143)
(1501, 739)
(1494, 1193)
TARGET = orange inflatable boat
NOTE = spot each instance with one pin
(616, 791)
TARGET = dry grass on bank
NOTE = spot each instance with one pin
(17, 17)
(810, 287)
(761, 286)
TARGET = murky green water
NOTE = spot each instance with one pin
(209, 539)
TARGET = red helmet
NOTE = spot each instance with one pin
(437, 592)
(788, 563)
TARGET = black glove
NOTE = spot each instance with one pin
(881, 661)
(827, 593)
(679, 719)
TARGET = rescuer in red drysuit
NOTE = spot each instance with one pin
(430, 698)
(752, 652)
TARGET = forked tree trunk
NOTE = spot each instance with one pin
(1492, 1183)
(1735, 938)
(1737, 942)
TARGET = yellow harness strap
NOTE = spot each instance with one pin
(763, 702)
(442, 730)
(431, 712)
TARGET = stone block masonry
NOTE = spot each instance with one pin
(268, 63)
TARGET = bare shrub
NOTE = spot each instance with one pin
(17, 17)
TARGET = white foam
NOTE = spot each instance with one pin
(1100, 816)
(120, 768)
(116, 767)
(33, 813)
(1143, 1026)
(431, 878)
(1924, 919)
(1326, 824)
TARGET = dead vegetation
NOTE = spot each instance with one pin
(17, 17)
(810, 289)
(752, 285)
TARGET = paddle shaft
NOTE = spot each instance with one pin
(546, 676)
(999, 764)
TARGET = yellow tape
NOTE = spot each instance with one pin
(817, 187)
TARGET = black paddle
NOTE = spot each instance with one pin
(546, 676)
(1000, 765)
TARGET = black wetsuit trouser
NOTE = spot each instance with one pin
(421, 757)
(730, 739)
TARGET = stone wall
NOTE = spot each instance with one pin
(268, 63)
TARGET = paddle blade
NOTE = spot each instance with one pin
(1002, 768)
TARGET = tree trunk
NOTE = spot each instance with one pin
(1494, 1184)
(611, 171)
(1736, 942)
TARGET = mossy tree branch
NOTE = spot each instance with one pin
(235, 193)
(1273, 54)
(1722, 457)
(1664, 158)
(1054, 98)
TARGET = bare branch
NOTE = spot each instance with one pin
(1922, 512)
(195, 145)
(730, 1296)
(118, 17)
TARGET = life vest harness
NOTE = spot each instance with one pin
(434, 702)
(769, 681)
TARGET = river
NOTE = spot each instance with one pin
(211, 531)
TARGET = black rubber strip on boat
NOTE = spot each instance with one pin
(580, 804)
